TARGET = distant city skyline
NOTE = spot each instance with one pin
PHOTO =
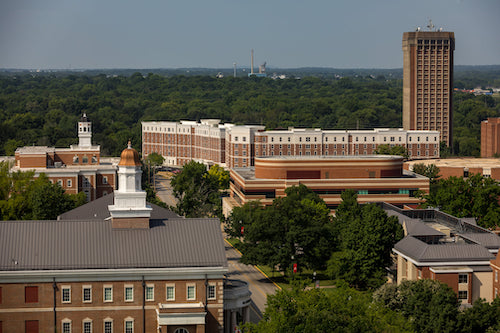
(78, 34)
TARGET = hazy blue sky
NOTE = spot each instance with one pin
(215, 33)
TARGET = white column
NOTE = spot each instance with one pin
(233, 320)
(246, 314)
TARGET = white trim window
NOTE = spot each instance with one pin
(108, 325)
(170, 290)
(87, 294)
(211, 294)
(191, 292)
(129, 293)
(66, 294)
(129, 325)
(107, 293)
(150, 292)
(66, 325)
(87, 325)
(69, 183)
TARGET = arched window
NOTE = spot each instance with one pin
(181, 330)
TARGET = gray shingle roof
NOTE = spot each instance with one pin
(93, 244)
(84, 239)
(423, 252)
(98, 210)
(488, 240)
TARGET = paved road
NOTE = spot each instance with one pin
(259, 285)
(164, 191)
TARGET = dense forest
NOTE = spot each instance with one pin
(43, 109)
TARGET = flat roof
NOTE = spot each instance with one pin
(333, 157)
(248, 173)
(46, 149)
(68, 168)
(468, 162)
(35, 150)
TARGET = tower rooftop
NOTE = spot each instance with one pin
(129, 157)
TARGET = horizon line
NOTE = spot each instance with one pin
(214, 68)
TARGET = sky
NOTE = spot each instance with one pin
(95, 34)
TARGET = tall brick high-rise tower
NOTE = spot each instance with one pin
(428, 81)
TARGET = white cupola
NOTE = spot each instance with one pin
(130, 209)
(84, 132)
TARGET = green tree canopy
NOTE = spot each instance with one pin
(221, 175)
(155, 160)
(430, 171)
(294, 229)
(475, 196)
(49, 200)
(24, 197)
(394, 150)
(341, 309)
(197, 191)
(43, 108)
(481, 317)
(431, 306)
(366, 237)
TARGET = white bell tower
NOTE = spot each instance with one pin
(130, 209)
(84, 132)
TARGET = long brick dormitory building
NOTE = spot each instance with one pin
(234, 146)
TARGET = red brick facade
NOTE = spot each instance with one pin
(462, 167)
(181, 143)
(375, 178)
(75, 170)
(495, 265)
(140, 306)
(238, 146)
(428, 82)
(490, 137)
